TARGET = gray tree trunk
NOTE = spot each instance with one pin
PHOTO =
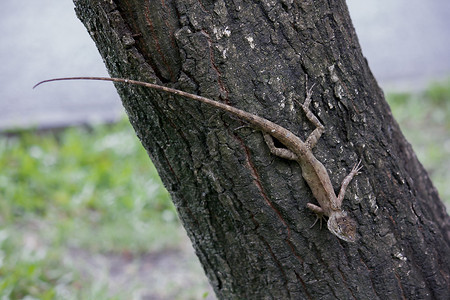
(244, 209)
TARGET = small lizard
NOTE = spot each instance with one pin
(313, 171)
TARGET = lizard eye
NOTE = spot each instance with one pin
(343, 227)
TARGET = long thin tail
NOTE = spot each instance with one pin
(280, 133)
(152, 86)
(235, 111)
(130, 81)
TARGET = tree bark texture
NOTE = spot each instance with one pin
(244, 209)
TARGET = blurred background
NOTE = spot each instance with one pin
(66, 219)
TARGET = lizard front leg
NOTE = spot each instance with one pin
(356, 168)
(319, 213)
(338, 223)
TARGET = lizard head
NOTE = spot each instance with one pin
(342, 226)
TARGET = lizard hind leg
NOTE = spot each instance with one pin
(316, 134)
(280, 152)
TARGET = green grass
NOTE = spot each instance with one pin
(425, 121)
(93, 189)
(96, 190)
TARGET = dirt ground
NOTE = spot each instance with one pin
(171, 274)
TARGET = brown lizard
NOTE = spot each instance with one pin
(313, 171)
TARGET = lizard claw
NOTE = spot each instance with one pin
(357, 167)
(318, 217)
(309, 91)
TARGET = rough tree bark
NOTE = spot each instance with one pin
(245, 210)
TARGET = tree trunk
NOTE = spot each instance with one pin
(244, 209)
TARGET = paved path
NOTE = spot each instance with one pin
(407, 43)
